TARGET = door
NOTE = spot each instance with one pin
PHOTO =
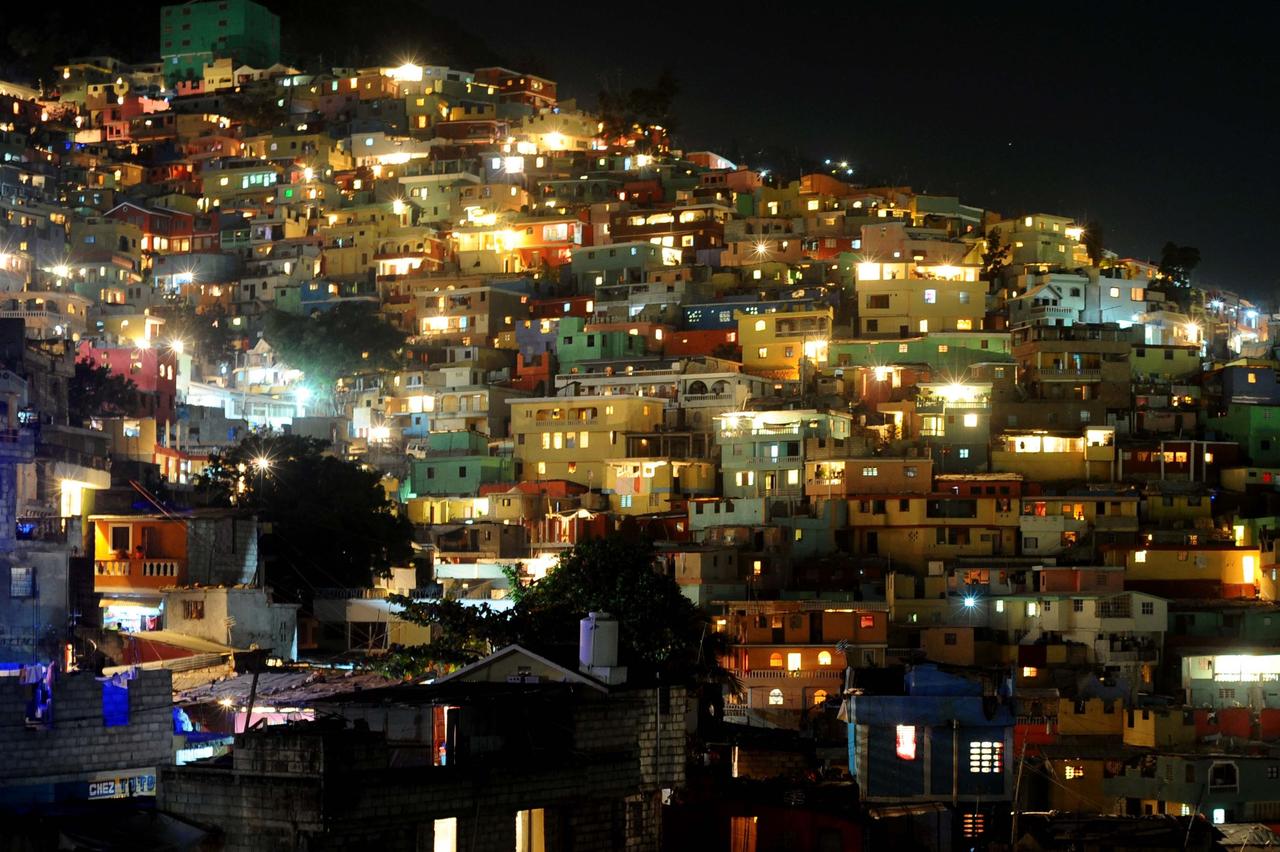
(873, 542)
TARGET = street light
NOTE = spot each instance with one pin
(262, 463)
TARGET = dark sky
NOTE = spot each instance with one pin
(1160, 125)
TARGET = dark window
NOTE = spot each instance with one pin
(193, 610)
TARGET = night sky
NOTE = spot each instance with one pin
(1157, 124)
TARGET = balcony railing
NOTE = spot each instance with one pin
(160, 567)
(1065, 374)
(833, 673)
(42, 529)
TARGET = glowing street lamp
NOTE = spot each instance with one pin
(262, 464)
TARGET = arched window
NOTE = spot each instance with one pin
(824, 658)
(775, 697)
(775, 660)
(697, 386)
(819, 697)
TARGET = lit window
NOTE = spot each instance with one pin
(755, 567)
(1073, 771)
(871, 471)
(760, 325)
(986, 757)
(930, 297)
(819, 697)
(542, 468)
(1032, 609)
(775, 698)
(824, 658)
(793, 478)
(763, 352)
(1253, 378)
(1140, 556)
(905, 740)
(775, 660)
(970, 421)
(793, 661)
(1115, 292)
(999, 606)
(1219, 816)
(1030, 671)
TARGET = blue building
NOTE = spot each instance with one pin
(943, 739)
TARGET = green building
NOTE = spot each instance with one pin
(194, 34)
(575, 345)
(942, 350)
(456, 464)
(1256, 428)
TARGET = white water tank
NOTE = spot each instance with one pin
(598, 648)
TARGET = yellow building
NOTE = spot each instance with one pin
(1043, 457)
(916, 529)
(642, 486)
(572, 438)
(904, 297)
(1234, 571)
(353, 235)
(774, 343)
(1042, 239)
(1159, 728)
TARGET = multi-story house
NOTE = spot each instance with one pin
(572, 439)
(764, 453)
(791, 656)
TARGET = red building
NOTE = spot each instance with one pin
(154, 371)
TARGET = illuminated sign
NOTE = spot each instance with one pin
(123, 784)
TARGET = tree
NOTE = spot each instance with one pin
(1177, 262)
(994, 257)
(95, 391)
(348, 338)
(660, 630)
(622, 112)
(332, 523)
(1093, 238)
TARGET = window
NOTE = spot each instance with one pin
(1030, 671)
(963, 453)
(625, 501)
(793, 661)
(905, 742)
(999, 606)
(819, 697)
(120, 539)
(986, 757)
(22, 581)
(1077, 605)
(1072, 771)
(1148, 608)
(871, 471)
(930, 297)
(866, 622)
(193, 610)
(1114, 292)
(949, 639)
(970, 421)
(775, 660)
(775, 697)
(1223, 777)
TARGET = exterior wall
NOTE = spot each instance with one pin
(204, 613)
(297, 789)
(65, 758)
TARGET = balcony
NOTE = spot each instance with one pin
(835, 673)
(50, 529)
(1065, 374)
(152, 572)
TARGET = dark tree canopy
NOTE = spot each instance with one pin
(348, 338)
(1177, 262)
(1094, 239)
(995, 257)
(660, 630)
(642, 106)
(95, 391)
(332, 524)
